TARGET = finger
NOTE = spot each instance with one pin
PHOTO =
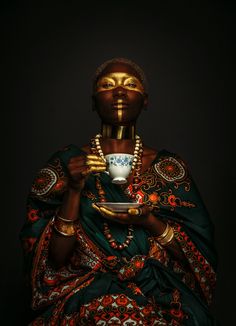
(102, 211)
(135, 211)
(75, 171)
(95, 162)
(96, 207)
(77, 159)
(93, 169)
(86, 172)
(107, 212)
(97, 168)
(94, 157)
(117, 217)
(77, 163)
(122, 217)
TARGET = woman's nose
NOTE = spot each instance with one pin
(119, 91)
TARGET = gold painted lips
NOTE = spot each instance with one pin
(120, 104)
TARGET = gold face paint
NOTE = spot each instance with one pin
(119, 79)
(119, 108)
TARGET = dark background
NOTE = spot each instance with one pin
(50, 52)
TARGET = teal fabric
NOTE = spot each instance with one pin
(154, 279)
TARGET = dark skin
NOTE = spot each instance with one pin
(61, 247)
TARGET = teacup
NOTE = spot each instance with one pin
(119, 166)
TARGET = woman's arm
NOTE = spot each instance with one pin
(61, 246)
(156, 227)
(79, 168)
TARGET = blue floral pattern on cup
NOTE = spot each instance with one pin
(120, 160)
(119, 166)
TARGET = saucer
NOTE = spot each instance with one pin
(118, 207)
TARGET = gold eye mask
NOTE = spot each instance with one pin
(119, 79)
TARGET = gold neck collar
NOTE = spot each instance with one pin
(118, 132)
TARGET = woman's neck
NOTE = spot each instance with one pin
(118, 139)
(118, 132)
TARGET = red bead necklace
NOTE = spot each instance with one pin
(136, 167)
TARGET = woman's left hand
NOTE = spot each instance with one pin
(138, 216)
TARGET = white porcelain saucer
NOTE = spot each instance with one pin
(118, 207)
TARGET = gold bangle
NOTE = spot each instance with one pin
(163, 235)
(65, 220)
(66, 229)
(168, 238)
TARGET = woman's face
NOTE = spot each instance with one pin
(119, 95)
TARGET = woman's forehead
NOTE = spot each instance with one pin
(120, 67)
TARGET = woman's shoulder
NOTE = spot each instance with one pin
(51, 179)
(171, 166)
(66, 152)
(160, 154)
(166, 163)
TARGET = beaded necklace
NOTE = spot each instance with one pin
(136, 168)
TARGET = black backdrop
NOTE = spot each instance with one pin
(50, 54)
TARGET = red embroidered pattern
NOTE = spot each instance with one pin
(118, 310)
(201, 268)
(170, 169)
(157, 252)
(155, 199)
(129, 270)
(62, 281)
(33, 215)
(49, 181)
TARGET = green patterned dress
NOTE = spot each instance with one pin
(143, 284)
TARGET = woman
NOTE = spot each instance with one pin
(152, 265)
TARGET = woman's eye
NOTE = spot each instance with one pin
(107, 85)
(132, 85)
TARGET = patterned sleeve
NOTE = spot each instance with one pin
(43, 200)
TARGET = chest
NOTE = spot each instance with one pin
(147, 161)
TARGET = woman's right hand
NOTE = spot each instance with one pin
(80, 167)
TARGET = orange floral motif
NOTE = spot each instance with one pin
(106, 300)
(94, 305)
(139, 264)
(129, 270)
(33, 215)
(122, 300)
(154, 198)
(170, 167)
(135, 289)
(148, 309)
(171, 200)
(59, 185)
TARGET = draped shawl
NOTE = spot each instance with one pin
(144, 284)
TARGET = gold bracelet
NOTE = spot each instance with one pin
(166, 237)
(64, 228)
(165, 232)
(65, 220)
